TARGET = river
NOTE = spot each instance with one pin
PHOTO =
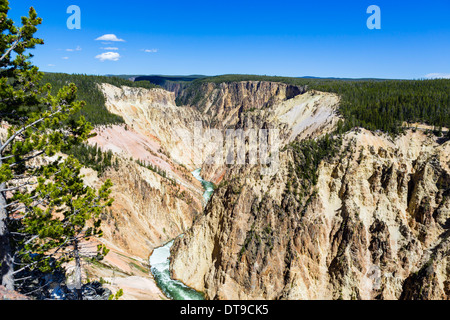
(160, 263)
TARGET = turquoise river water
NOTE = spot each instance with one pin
(160, 263)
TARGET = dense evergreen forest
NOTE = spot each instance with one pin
(385, 105)
(167, 80)
(95, 111)
(370, 103)
(93, 157)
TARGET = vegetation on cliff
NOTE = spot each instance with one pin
(92, 157)
(308, 154)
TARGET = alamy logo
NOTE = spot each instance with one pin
(374, 21)
(74, 21)
(236, 147)
(374, 274)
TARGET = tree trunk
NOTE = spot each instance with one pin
(78, 279)
(6, 259)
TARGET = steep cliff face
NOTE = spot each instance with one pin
(304, 116)
(157, 207)
(375, 226)
(154, 115)
(176, 87)
(150, 208)
(225, 102)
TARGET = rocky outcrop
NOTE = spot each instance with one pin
(375, 226)
(148, 209)
(225, 102)
(153, 114)
(176, 87)
(305, 116)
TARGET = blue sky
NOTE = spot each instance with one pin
(284, 38)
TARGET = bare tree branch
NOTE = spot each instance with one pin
(18, 187)
(15, 135)
(13, 46)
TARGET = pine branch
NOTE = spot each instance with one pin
(27, 159)
(15, 135)
(13, 46)
(18, 187)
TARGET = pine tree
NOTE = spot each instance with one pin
(71, 215)
(18, 95)
(45, 209)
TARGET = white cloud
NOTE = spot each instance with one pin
(65, 58)
(109, 37)
(438, 76)
(150, 50)
(110, 48)
(51, 65)
(108, 56)
(78, 48)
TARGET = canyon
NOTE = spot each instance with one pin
(374, 225)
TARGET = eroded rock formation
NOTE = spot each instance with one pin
(374, 227)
